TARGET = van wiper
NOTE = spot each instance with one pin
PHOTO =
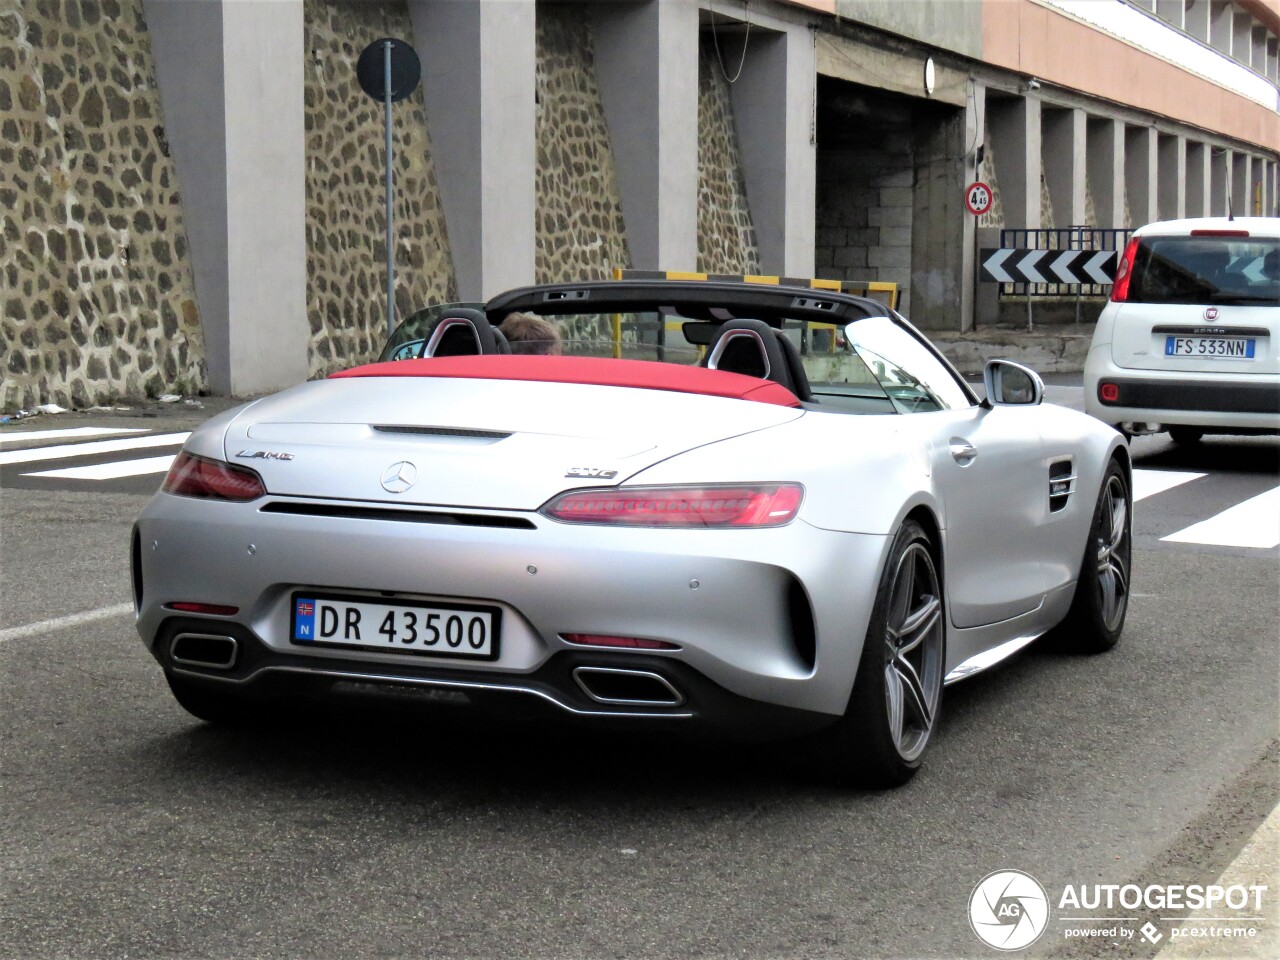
(1244, 298)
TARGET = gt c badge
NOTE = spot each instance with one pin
(264, 455)
(594, 473)
(399, 477)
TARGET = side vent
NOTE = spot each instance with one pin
(800, 613)
(1062, 483)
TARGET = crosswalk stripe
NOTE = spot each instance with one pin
(1253, 523)
(66, 433)
(110, 471)
(64, 450)
(1147, 483)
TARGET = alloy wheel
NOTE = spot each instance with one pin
(914, 638)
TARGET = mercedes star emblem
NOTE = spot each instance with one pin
(399, 477)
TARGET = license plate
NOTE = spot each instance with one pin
(406, 626)
(1228, 348)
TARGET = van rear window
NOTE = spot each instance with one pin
(1229, 270)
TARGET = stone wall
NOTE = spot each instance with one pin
(98, 297)
(346, 220)
(579, 228)
(726, 236)
(865, 209)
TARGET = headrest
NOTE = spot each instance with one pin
(461, 332)
(750, 347)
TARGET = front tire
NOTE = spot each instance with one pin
(881, 740)
(1101, 601)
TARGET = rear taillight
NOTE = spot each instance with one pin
(736, 505)
(619, 643)
(192, 476)
(1124, 271)
(214, 609)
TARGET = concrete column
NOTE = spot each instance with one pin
(1198, 180)
(1064, 164)
(647, 68)
(1196, 19)
(478, 67)
(1171, 189)
(1219, 178)
(1240, 184)
(1014, 128)
(1242, 37)
(975, 122)
(1221, 25)
(1257, 206)
(773, 102)
(1106, 170)
(1140, 172)
(231, 78)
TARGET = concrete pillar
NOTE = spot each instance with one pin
(975, 122)
(1257, 193)
(1106, 170)
(1196, 19)
(1240, 184)
(773, 109)
(1221, 25)
(478, 68)
(1140, 172)
(1171, 181)
(1198, 180)
(1219, 178)
(1014, 129)
(230, 74)
(1171, 10)
(647, 68)
(1064, 164)
(1242, 37)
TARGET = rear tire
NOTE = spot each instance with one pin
(880, 741)
(208, 703)
(1101, 601)
(1184, 436)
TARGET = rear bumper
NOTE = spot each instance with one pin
(772, 616)
(1181, 399)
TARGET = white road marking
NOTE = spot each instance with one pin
(1253, 523)
(110, 471)
(61, 623)
(66, 433)
(64, 450)
(1147, 483)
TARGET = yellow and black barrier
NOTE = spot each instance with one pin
(883, 291)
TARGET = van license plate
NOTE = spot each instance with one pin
(1226, 348)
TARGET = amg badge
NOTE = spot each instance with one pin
(264, 455)
(594, 473)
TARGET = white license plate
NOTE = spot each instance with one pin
(451, 630)
(1228, 348)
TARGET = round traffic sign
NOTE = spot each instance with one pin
(977, 198)
(405, 69)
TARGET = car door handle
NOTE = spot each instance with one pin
(962, 451)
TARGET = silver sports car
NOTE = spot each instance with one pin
(790, 516)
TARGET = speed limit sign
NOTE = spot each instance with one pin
(978, 198)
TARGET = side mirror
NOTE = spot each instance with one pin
(1011, 384)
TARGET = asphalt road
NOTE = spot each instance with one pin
(128, 829)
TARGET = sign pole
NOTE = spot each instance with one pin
(391, 257)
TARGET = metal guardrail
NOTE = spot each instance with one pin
(1065, 238)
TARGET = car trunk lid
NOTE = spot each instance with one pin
(483, 444)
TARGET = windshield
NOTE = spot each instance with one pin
(1200, 270)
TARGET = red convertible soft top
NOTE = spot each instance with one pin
(597, 371)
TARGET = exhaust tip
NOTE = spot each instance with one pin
(204, 650)
(632, 688)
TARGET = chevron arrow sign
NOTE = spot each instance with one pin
(1009, 265)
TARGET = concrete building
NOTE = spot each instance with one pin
(191, 189)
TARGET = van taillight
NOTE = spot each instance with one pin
(1124, 271)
